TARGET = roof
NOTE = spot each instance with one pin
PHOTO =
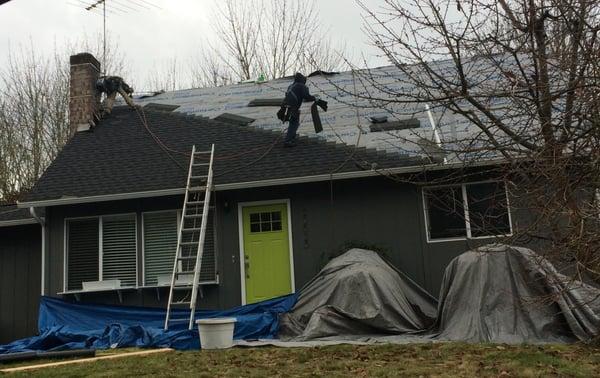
(121, 156)
(348, 118)
(10, 215)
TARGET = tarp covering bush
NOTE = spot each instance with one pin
(358, 293)
(495, 293)
(499, 293)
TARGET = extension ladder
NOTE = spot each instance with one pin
(185, 281)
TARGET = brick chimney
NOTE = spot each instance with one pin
(84, 99)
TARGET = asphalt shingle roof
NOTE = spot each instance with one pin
(12, 213)
(121, 156)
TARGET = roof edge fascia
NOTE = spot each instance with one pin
(258, 184)
(18, 222)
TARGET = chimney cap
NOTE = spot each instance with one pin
(83, 58)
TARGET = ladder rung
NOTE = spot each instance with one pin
(202, 152)
(198, 177)
(197, 188)
(181, 303)
(193, 216)
(185, 272)
(182, 258)
(189, 243)
(194, 202)
(178, 320)
(190, 229)
(186, 287)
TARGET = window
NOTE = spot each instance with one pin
(119, 249)
(488, 209)
(102, 248)
(467, 211)
(265, 222)
(446, 213)
(83, 246)
(160, 243)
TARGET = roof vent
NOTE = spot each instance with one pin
(382, 124)
(323, 73)
(266, 102)
(378, 119)
(160, 107)
(234, 119)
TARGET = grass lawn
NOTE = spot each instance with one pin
(441, 359)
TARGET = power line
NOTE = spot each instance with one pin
(148, 3)
(124, 5)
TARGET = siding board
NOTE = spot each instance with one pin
(20, 253)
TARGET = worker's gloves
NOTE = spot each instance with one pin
(322, 104)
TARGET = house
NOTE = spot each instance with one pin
(111, 202)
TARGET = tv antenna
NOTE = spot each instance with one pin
(115, 7)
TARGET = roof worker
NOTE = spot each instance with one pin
(111, 85)
(296, 93)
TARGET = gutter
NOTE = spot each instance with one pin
(261, 183)
(42, 223)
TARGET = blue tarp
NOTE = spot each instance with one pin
(63, 325)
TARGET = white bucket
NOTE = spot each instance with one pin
(216, 333)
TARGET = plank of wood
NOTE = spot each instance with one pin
(83, 360)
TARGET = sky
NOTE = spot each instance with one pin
(151, 32)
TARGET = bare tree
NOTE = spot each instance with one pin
(523, 76)
(34, 98)
(272, 38)
(168, 76)
(207, 71)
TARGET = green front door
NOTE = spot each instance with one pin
(266, 252)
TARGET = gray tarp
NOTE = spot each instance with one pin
(499, 293)
(495, 293)
(358, 293)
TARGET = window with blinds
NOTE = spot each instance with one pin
(119, 248)
(160, 242)
(82, 252)
(208, 269)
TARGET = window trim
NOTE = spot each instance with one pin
(100, 247)
(467, 219)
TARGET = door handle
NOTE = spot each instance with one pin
(247, 265)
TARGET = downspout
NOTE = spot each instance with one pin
(42, 223)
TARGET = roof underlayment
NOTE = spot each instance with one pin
(355, 97)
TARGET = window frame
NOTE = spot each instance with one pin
(100, 247)
(467, 219)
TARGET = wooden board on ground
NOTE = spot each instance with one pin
(82, 360)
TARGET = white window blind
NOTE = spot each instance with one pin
(82, 252)
(160, 242)
(119, 249)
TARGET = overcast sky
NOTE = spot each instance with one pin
(150, 31)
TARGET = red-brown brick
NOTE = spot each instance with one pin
(84, 100)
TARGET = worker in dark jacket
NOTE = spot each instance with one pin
(296, 93)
